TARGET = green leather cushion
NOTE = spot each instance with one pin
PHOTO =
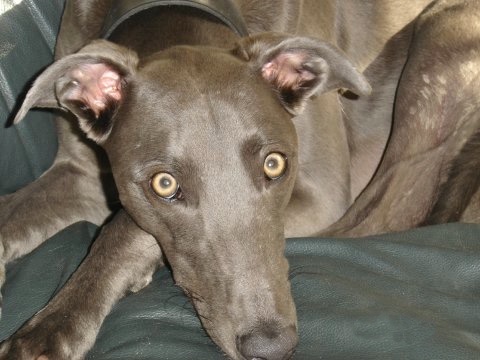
(402, 296)
(412, 295)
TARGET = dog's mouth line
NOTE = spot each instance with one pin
(209, 327)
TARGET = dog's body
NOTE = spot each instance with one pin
(179, 106)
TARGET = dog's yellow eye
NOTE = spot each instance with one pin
(164, 185)
(275, 165)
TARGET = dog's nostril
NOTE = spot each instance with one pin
(268, 344)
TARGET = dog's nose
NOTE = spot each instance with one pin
(266, 344)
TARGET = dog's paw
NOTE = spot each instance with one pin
(52, 338)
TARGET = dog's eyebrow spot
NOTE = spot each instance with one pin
(252, 146)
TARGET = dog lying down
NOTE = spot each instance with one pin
(228, 127)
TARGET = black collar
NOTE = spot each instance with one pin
(223, 10)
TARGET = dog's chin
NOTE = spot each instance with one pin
(227, 346)
(220, 334)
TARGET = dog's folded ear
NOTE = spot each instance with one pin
(299, 67)
(91, 84)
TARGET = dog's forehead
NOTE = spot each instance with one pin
(203, 87)
(200, 100)
(191, 82)
(195, 62)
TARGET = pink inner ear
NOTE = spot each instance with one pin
(95, 85)
(286, 70)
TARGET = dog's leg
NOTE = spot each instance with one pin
(78, 186)
(435, 115)
(82, 21)
(70, 191)
(458, 199)
(75, 187)
(65, 194)
(122, 259)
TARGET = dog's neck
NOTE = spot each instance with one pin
(181, 24)
(224, 10)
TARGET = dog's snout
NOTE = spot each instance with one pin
(268, 344)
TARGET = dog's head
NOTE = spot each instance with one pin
(203, 150)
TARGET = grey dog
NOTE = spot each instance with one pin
(220, 145)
